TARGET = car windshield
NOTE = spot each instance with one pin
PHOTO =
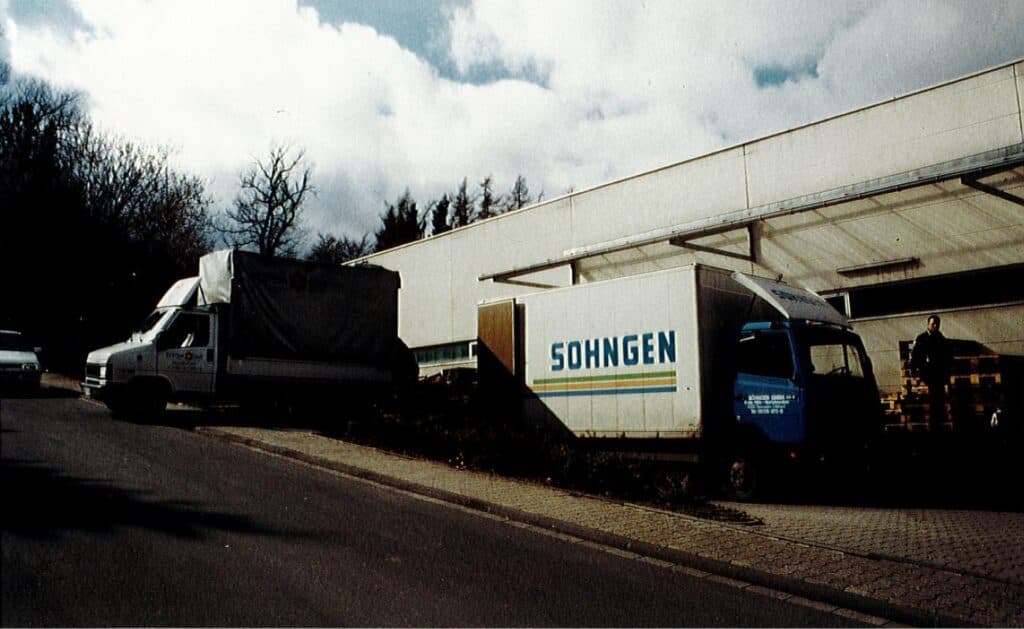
(14, 342)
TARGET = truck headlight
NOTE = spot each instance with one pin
(30, 367)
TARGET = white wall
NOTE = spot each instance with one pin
(957, 120)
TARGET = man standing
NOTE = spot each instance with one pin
(930, 361)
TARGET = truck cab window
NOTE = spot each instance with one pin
(765, 355)
(188, 330)
(836, 359)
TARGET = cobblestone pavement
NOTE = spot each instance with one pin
(987, 544)
(869, 564)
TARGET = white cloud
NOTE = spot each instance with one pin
(618, 87)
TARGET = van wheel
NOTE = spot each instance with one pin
(741, 478)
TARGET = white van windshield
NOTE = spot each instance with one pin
(152, 324)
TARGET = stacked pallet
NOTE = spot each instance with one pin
(975, 391)
(912, 411)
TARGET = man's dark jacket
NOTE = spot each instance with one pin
(930, 357)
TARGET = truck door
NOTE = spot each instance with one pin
(767, 396)
(842, 399)
(185, 353)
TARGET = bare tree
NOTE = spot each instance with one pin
(268, 210)
(88, 196)
(330, 248)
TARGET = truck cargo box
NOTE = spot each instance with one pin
(297, 310)
(634, 357)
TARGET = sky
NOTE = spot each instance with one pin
(390, 94)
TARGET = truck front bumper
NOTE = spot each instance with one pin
(96, 389)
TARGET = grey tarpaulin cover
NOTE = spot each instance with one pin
(281, 308)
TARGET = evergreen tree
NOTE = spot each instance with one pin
(400, 223)
(489, 204)
(439, 215)
(519, 195)
(462, 207)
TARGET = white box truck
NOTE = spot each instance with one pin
(260, 329)
(735, 373)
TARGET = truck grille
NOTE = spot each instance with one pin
(92, 371)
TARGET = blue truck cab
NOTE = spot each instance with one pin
(804, 395)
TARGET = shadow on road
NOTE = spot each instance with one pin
(188, 418)
(943, 478)
(40, 393)
(41, 503)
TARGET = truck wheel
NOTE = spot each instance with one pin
(741, 478)
(156, 404)
(139, 401)
(119, 405)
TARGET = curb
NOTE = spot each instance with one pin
(733, 574)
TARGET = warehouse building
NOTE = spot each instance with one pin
(893, 211)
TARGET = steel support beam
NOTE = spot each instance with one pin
(684, 242)
(971, 182)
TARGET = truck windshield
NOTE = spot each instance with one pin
(151, 320)
(152, 324)
(836, 359)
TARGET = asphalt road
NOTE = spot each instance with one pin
(113, 523)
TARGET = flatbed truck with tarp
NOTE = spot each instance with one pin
(252, 328)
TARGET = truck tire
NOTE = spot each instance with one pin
(139, 401)
(119, 405)
(156, 402)
(741, 480)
